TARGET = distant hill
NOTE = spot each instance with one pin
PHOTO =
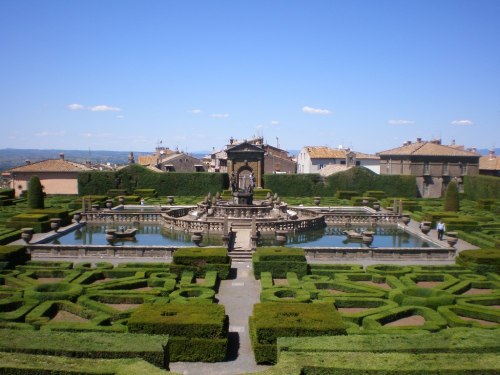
(14, 157)
(11, 157)
(486, 151)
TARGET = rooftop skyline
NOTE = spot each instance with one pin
(369, 75)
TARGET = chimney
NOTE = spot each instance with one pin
(61, 156)
(27, 161)
(492, 153)
(419, 140)
(88, 163)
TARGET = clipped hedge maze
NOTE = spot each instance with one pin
(381, 300)
(157, 312)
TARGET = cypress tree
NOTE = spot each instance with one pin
(451, 201)
(35, 193)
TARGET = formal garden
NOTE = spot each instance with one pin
(82, 317)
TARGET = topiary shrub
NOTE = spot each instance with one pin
(451, 198)
(481, 261)
(35, 193)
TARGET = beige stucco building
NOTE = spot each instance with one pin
(433, 164)
(57, 176)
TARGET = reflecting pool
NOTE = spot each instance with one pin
(331, 236)
(147, 235)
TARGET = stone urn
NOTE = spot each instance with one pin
(425, 227)
(317, 201)
(77, 216)
(109, 204)
(55, 224)
(405, 219)
(170, 199)
(121, 200)
(95, 207)
(451, 238)
(281, 237)
(27, 234)
(197, 237)
(365, 201)
(376, 206)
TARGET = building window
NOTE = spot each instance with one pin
(445, 169)
(358, 163)
(321, 166)
(463, 169)
(427, 168)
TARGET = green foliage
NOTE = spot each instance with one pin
(481, 187)
(279, 261)
(197, 332)
(54, 291)
(481, 261)
(377, 322)
(294, 185)
(87, 344)
(194, 256)
(35, 193)
(272, 320)
(415, 296)
(451, 198)
(135, 177)
(457, 316)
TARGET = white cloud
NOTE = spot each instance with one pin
(75, 106)
(462, 122)
(195, 111)
(316, 111)
(400, 122)
(219, 115)
(275, 122)
(104, 108)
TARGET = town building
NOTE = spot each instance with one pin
(311, 159)
(433, 164)
(490, 165)
(57, 176)
(275, 160)
(167, 160)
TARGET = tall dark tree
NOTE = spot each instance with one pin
(451, 199)
(35, 193)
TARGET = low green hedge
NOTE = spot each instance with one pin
(285, 295)
(9, 236)
(369, 305)
(272, 320)
(196, 256)
(32, 364)
(54, 291)
(279, 261)
(197, 332)
(365, 363)
(150, 348)
(415, 296)
(480, 261)
(146, 193)
(479, 316)
(346, 194)
(387, 269)
(13, 255)
(377, 322)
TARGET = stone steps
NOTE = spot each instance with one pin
(241, 255)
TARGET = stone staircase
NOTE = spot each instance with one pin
(241, 249)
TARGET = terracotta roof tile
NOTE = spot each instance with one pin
(323, 152)
(489, 163)
(52, 165)
(147, 160)
(427, 149)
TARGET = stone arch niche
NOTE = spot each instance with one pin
(243, 159)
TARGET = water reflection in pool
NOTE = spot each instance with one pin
(147, 235)
(333, 237)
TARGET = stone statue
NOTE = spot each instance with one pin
(232, 181)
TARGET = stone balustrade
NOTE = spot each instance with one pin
(79, 251)
(386, 253)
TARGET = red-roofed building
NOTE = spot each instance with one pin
(57, 176)
(433, 164)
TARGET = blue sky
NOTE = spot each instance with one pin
(124, 75)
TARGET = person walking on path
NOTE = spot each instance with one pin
(440, 228)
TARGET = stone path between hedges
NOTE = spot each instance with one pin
(238, 294)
